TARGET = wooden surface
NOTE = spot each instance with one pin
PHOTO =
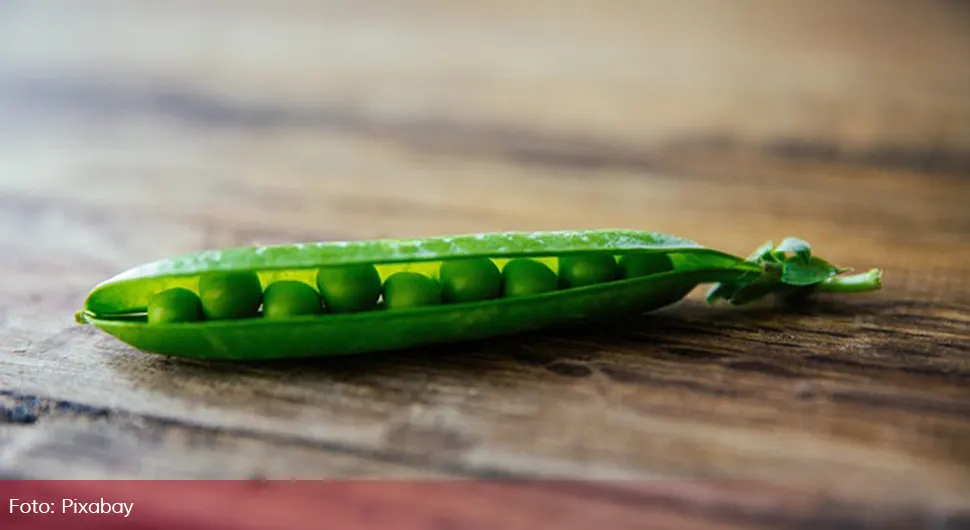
(133, 130)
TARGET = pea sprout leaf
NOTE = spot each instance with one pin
(796, 272)
(763, 252)
(800, 248)
(755, 290)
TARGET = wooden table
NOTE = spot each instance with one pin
(130, 131)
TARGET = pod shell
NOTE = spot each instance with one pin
(109, 305)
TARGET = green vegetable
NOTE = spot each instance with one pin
(230, 295)
(470, 280)
(151, 307)
(635, 265)
(174, 305)
(587, 269)
(524, 277)
(410, 289)
(289, 298)
(349, 288)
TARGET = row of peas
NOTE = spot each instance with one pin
(354, 288)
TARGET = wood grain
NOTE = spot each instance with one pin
(134, 130)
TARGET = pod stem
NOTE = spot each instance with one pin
(856, 283)
(790, 271)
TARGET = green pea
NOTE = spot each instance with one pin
(470, 280)
(349, 288)
(411, 289)
(524, 276)
(635, 265)
(174, 305)
(288, 298)
(228, 295)
(586, 269)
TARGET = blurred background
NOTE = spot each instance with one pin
(131, 130)
(222, 122)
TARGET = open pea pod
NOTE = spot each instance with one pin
(339, 298)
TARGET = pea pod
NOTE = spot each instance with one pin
(118, 306)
